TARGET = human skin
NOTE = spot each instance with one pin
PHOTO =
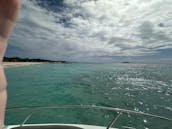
(8, 14)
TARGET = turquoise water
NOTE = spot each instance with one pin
(139, 87)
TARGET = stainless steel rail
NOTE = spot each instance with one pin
(118, 110)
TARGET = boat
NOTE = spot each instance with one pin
(119, 111)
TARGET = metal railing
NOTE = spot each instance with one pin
(113, 121)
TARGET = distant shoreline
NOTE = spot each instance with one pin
(17, 61)
(18, 64)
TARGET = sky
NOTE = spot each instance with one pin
(93, 30)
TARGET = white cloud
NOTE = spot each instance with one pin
(94, 28)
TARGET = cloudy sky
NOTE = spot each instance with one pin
(93, 30)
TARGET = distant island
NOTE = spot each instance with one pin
(30, 60)
(18, 59)
(126, 62)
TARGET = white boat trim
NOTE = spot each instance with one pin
(82, 126)
(111, 123)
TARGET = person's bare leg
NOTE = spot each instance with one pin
(8, 14)
(3, 96)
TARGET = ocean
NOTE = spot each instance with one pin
(139, 87)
